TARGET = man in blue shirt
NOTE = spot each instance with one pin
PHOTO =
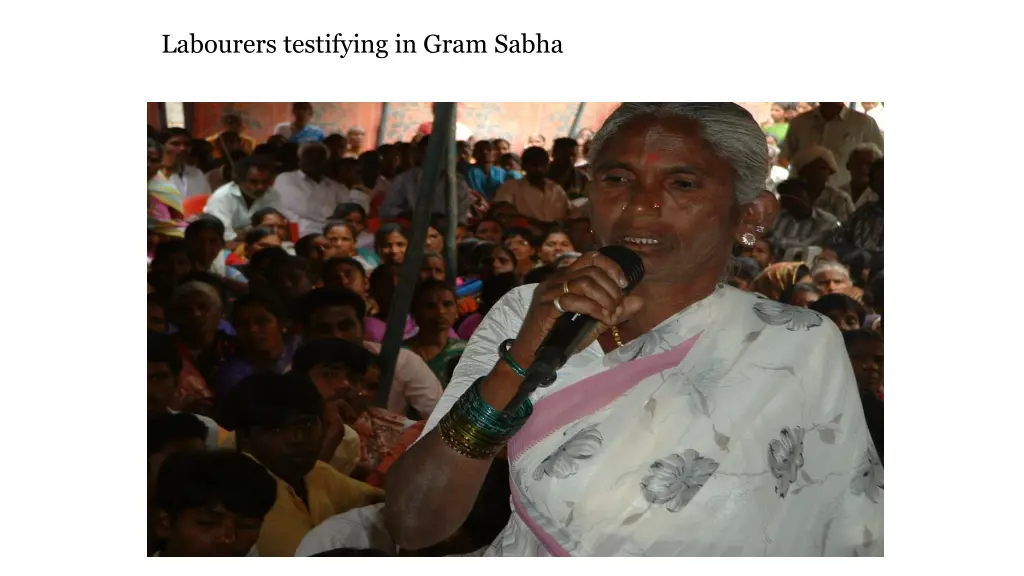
(300, 130)
(484, 176)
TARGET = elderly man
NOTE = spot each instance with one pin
(859, 167)
(816, 165)
(251, 191)
(356, 137)
(836, 127)
(308, 196)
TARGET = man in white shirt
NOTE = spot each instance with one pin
(308, 196)
(189, 180)
(836, 127)
(251, 191)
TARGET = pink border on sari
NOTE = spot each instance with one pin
(594, 393)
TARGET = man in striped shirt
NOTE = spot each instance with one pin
(800, 224)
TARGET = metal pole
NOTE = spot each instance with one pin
(385, 110)
(450, 247)
(576, 120)
(444, 113)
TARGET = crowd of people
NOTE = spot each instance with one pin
(267, 310)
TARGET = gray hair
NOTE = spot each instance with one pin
(876, 152)
(827, 265)
(195, 286)
(728, 127)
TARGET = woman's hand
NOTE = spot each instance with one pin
(593, 286)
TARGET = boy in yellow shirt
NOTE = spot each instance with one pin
(279, 421)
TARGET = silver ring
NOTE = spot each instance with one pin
(558, 305)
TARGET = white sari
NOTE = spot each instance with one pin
(734, 428)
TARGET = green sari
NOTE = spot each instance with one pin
(439, 364)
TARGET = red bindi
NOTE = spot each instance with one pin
(653, 157)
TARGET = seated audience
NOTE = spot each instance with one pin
(535, 197)
(197, 311)
(164, 366)
(204, 242)
(212, 504)
(865, 229)
(522, 244)
(338, 313)
(485, 176)
(867, 356)
(489, 230)
(281, 422)
(834, 278)
(495, 287)
(845, 312)
(308, 196)
(553, 244)
(347, 376)
(799, 223)
(775, 279)
(341, 243)
(262, 342)
(815, 165)
(435, 312)
(235, 203)
(802, 295)
(391, 241)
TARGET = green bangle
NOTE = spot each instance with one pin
(503, 352)
(474, 429)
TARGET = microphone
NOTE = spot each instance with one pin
(569, 331)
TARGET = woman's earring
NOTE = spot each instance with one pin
(759, 229)
(748, 239)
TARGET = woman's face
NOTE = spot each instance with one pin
(802, 107)
(341, 241)
(520, 247)
(357, 221)
(204, 247)
(553, 246)
(197, 315)
(346, 276)
(502, 263)
(393, 250)
(278, 224)
(778, 114)
(265, 242)
(661, 189)
(489, 231)
(153, 163)
(435, 241)
(258, 330)
(460, 234)
(832, 281)
(176, 148)
(436, 311)
(432, 268)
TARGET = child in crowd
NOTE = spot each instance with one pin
(847, 313)
(280, 422)
(211, 504)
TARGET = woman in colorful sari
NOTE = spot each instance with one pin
(701, 420)
(166, 216)
(778, 277)
(435, 311)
